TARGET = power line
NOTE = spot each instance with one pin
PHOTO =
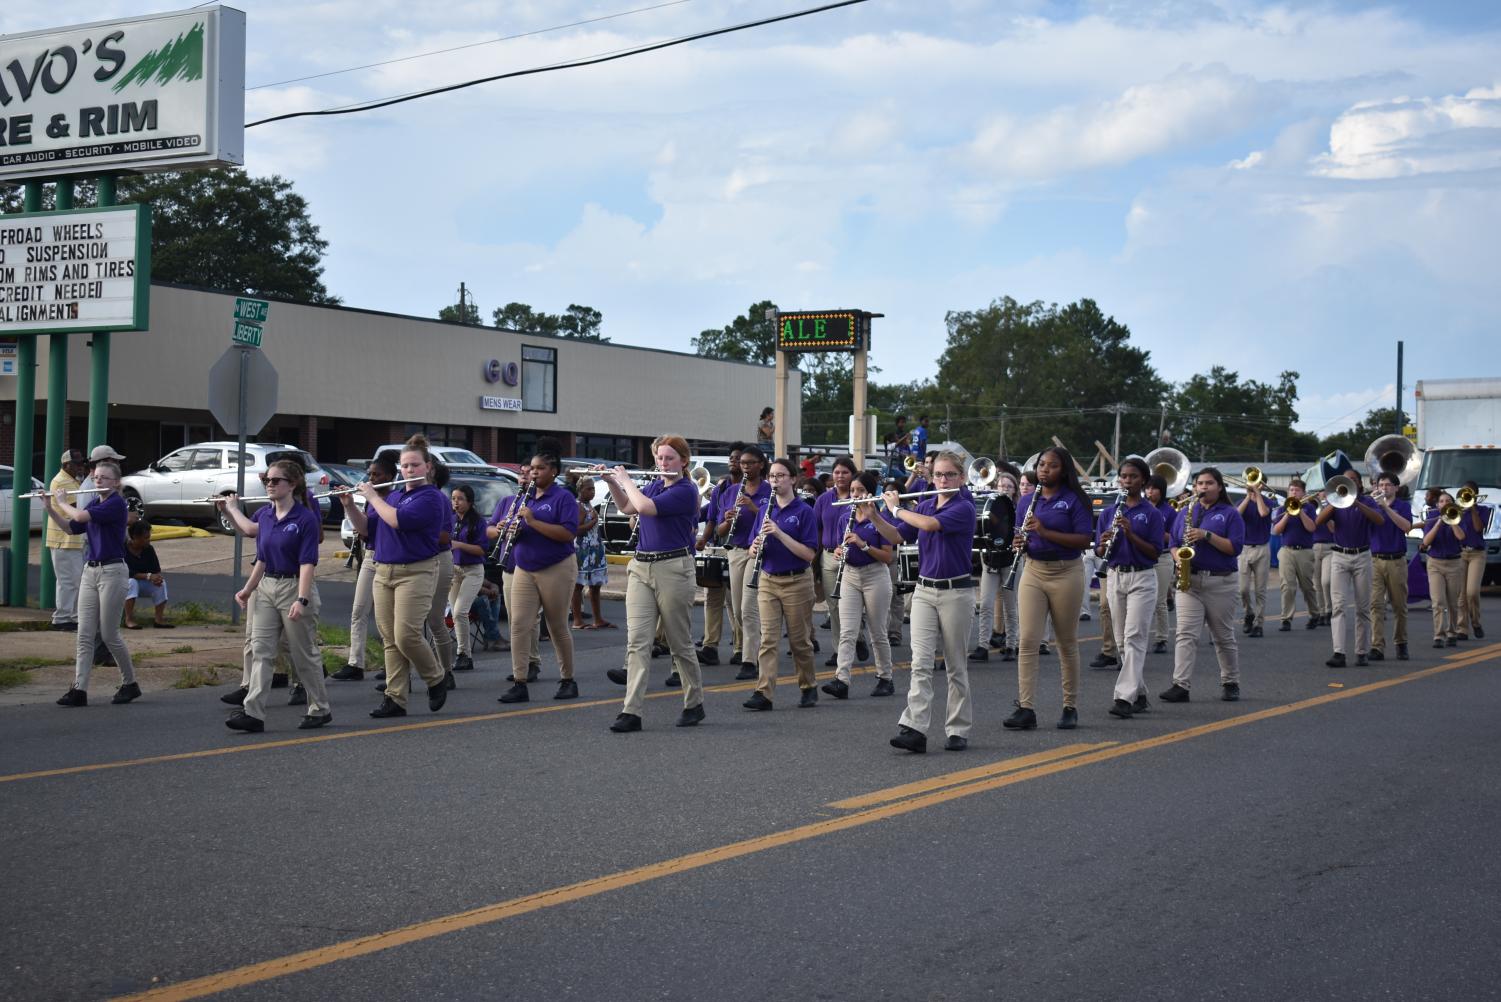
(467, 45)
(573, 64)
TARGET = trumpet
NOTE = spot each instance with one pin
(910, 464)
(1466, 498)
(1452, 514)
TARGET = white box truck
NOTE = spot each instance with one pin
(1459, 431)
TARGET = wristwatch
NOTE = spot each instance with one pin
(302, 601)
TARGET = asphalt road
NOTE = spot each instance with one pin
(1328, 837)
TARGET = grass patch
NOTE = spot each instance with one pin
(28, 663)
(183, 649)
(193, 678)
(12, 677)
(335, 635)
(197, 613)
(25, 625)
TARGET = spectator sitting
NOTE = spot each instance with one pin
(146, 581)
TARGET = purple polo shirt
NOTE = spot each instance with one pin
(1475, 538)
(945, 553)
(1386, 537)
(1258, 526)
(1168, 513)
(1146, 522)
(503, 510)
(869, 535)
(1445, 545)
(796, 520)
(283, 545)
(1351, 529)
(421, 514)
(1063, 512)
(717, 499)
(534, 551)
(104, 532)
(745, 525)
(1221, 520)
(1294, 533)
(830, 519)
(471, 532)
(671, 528)
(920, 484)
(1323, 533)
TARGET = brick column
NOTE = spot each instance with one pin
(307, 434)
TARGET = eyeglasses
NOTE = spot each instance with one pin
(268, 481)
(777, 476)
(945, 475)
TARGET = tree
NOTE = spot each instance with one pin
(580, 322)
(1355, 441)
(750, 337)
(1219, 417)
(469, 314)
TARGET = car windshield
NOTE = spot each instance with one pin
(452, 456)
(488, 491)
(1451, 468)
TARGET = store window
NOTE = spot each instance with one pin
(443, 434)
(612, 447)
(539, 379)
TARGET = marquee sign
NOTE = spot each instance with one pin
(823, 330)
(75, 270)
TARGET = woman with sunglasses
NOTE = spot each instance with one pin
(101, 591)
(786, 535)
(286, 533)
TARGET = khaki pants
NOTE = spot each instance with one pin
(788, 599)
(1108, 644)
(533, 659)
(247, 650)
(1048, 587)
(662, 589)
(1164, 577)
(1350, 589)
(717, 609)
(269, 629)
(101, 600)
(1133, 602)
(864, 591)
(1388, 584)
(897, 608)
(827, 568)
(1469, 606)
(437, 622)
(551, 590)
(67, 571)
(1297, 572)
(1255, 563)
(941, 617)
(403, 597)
(1446, 586)
(993, 609)
(360, 612)
(467, 579)
(1321, 571)
(744, 605)
(1210, 600)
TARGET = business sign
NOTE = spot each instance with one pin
(7, 358)
(75, 270)
(824, 330)
(163, 91)
(499, 404)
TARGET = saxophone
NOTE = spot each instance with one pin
(1184, 554)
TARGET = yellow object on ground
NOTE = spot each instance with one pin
(178, 532)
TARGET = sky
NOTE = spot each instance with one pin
(1255, 185)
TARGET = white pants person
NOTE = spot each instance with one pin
(865, 590)
(361, 613)
(1321, 569)
(144, 591)
(101, 600)
(1210, 600)
(941, 617)
(1133, 602)
(992, 598)
(1446, 585)
(660, 590)
(67, 571)
(270, 627)
(467, 579)
(745, 605)
(1164, 589)
(1350, 592)
(1255, 563)
(828, 569)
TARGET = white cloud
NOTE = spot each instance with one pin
(1406, 137)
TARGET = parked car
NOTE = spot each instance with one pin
(449, 455)
(170, 487)
(339, 475)
(38, 515)
(490, 486)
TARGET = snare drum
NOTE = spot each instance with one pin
(984, 537)
(906, 557)
(711, 568)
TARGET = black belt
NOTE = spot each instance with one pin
(1290, 546)
(945, 584)
(1050, 557)
(1216, 574)
(1473, 549)
(1390, 556)
(734, 546)
(650, 557)
(1352, 550)
(1252, 544)
(784, 574)
(1133, 568)
(104, 563)
(280, 577)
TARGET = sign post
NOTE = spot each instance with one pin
(242, 390)
(825, 331)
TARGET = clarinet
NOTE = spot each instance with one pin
(502, 547)
(734, 515)
(1016, 563)
(843, 553)
(1120, 498)
(755, 575)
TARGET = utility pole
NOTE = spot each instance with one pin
(1162, 424)
(1115, 445)
(1000, 452)
(1400, 422)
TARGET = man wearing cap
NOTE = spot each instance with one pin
(66, 550)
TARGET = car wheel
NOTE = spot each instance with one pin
(226, 524)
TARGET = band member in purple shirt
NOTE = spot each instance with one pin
(379, 471)
(1323, 546)
(864, 586)
(286, 534)
(737, 521)
(831, 522)
(101, 592)
(717, 597)
(1442, 541)
(1472, 552)
(1156, 493)
(406, 574)
(1129, 539)
(1295, 564)
(943, 604)
(786, 535)
(1389, 566)
(1350, 573)
(1213, 527)
(659, 580)
(468, 568)
(1255, 557)
(502, 523)
(546, 567)
(1054, 526)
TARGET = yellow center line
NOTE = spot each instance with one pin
(306, 960)
(965, 775)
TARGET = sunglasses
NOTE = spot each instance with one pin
(268, 481)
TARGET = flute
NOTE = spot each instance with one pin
(903, 497)
(79, 490)
(340, 491)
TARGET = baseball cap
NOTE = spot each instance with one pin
(71, 456)
(103, 452)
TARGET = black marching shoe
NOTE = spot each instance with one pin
(1023, 719)
(533, 672)
(1257, 631)
(658, 650)
(379, 676)
(1008, 653)
(388, 708)
(833, 661)
(909, 740)
(1361, 662)
(1451, 642)
(997, 640)
(955, 743)
(449, 682)
(436, 696)
(1103, 660)
(617, 675)
(1160, 647)
(674, 681)
(884, 687)
(1401, 652)
(1175, 693)
(691, 716)
(1461, 636)
(757, 702)
(279, 680)
(747, 671)
(1120, 708)
(1069, 719)
(626, 723)
(380, 685)
(242, 721)
(736, 659)
(313, 722)
(1286, 627)
(809, 698)
(1479, 631)
(298, 696)
(74, 697)
(1042, 650)
(1230, 692)
(463, 663)
(567, 689)
(836, 688)
(980, 653)
(1141, 705)
(708, 655)
(516, 694)
(862, 650)
(127, 692)
(1377, 654)
(235, 698)
(349, 673)
(1246, 623)
(1336, 661)
(893, 638)
(1439, 643)
(1312, 624)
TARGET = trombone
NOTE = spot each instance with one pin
(1254, 477)
(1466, 498)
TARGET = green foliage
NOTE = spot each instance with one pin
(12, 677)
(1355, 440)
(580, 322)
(750, 337)
(30, 661)
(196, 614)
(1217, 416)
(193, 678)
(454, 315)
